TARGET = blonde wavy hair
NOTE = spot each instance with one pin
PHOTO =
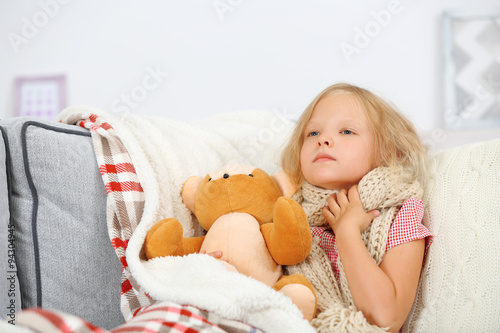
(396, 140)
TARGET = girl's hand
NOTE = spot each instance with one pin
(215, 254)
(345, 211)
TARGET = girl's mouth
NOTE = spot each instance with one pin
(323, 157)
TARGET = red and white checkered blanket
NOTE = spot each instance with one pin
(160, 317)
(144, 162)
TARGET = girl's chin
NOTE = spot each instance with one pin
(331, 184)
(327, 185)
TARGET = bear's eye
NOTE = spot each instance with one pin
(250, 175)
(209, 179)
(226, 176)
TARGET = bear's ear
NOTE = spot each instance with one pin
(285, 184)
(189, 191)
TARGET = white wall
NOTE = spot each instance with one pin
(227, 55)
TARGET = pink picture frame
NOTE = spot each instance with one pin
(41, 97)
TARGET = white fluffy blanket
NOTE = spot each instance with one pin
(165, 153)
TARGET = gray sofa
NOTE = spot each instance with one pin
(53, 205)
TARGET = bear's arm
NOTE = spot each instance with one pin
(288, 238)
(165, 239)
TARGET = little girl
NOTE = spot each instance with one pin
(358, 164)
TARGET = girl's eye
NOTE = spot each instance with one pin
(347, 132)
(313, 133)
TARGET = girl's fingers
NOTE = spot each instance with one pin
(327, 213)
(329, 216)
(333, 204)
(375, 213)
(354, 194)
(215, 254)
(342, 198)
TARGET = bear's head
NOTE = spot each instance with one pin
(234, 188)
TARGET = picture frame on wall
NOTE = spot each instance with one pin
(471, 43)
(41, 97)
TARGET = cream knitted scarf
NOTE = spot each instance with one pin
(383, 188)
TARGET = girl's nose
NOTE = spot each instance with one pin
(324, 142)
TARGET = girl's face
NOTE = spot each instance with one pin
(338, 148)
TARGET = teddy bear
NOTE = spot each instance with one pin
(250, 219)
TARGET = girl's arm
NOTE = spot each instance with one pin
(383, 293)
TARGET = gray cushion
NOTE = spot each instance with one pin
(64, 257)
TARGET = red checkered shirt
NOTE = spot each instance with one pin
(407, 227)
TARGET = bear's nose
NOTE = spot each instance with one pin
(226, 176)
